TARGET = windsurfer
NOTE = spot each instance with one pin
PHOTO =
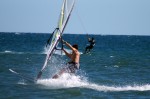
(91, 45)
(73, 65)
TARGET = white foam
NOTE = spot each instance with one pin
(117, 88)
(15, 52)
(7, 51)
(65, 81)
(12, 52)
(22, 82)
(69, 81)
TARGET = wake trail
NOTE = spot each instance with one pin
(70, 81)
(116, 88)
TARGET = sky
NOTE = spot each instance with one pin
(104, 17)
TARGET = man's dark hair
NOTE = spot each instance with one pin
(75, 46)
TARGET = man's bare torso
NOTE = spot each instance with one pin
(75, 56)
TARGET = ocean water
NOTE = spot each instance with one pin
(117, 68)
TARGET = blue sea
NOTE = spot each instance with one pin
(118, 67)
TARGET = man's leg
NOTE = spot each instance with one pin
(59, 74)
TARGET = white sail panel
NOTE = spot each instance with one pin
(67, 9)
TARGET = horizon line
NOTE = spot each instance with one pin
(79, 33)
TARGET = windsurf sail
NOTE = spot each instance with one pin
(65, 13)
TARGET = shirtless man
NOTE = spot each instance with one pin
(73, 65)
